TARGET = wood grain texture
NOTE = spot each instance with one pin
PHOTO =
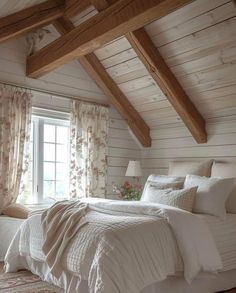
(166, 80)
(115, 21)
(98, 73)
(26, 20)
(73, 7)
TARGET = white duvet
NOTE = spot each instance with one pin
(125, 246)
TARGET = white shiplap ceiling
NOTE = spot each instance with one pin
(11, 6)
(198, 42)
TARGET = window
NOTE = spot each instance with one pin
(48, 173)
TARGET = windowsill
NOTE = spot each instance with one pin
(39, 206)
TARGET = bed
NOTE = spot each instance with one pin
(157, 245)
(9, 227)
(26, 250)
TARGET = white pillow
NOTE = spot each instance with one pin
(183, 168)
(227, 170)
(164, 182)
(211, 195)
(179, 198)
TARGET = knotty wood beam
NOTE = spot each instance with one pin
(120, 18)
(73, 7)
(168, 83)
(98, 73)
(24, 21)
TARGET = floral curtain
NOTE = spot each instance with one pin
(15, 116)
(89, 140)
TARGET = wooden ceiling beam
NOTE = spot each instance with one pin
(118, 19)
(26, 20)
(98, 73)
(74, 7)
(168, 83)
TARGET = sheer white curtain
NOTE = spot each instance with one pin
(15, 116)
(89, 146)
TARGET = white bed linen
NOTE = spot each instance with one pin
(8, 228)
(224, 233)
(146, 250)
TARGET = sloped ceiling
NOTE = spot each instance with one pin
(198, 42)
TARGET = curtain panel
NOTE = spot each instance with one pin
(89, 148)
(15, 118)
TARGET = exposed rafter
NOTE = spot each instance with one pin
(168, 83)
(73, 7)
(120, 18)
(30, 18)
(98, 73)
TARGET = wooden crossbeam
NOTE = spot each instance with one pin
(98, 73)
(120, 18)
(168, 83)
(24, 21)
(73, 7)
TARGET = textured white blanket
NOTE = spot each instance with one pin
(127, 245)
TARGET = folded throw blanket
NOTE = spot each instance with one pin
(60, 224)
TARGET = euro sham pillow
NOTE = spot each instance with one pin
(212, 194)
(163, 182)
(227, 170)
(183, 168)
(179, 198)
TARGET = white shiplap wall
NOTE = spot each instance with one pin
(175, 143)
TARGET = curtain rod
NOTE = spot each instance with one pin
(54, 93)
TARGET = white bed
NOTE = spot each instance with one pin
(8, 228)
(205, 283)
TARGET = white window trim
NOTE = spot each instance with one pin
(39, 117)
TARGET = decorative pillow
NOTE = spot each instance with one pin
(179, 198)
(164, 182)
(16, 210)
(183, 168)
(227, 170)
(211, 195)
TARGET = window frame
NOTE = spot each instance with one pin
(40, 117)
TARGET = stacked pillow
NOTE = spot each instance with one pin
(227, 170)
(183, 168)
(197, 192)
(166, 190)
(212, 194)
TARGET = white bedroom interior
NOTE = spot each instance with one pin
(184, 110)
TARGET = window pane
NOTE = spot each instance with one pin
(62, 134)
(62, 172)
(49, 152)
(48, 189)
(61, 190)
(32, 131)
(31, 151)
(49, 133)
(62, 154)
(49, 171)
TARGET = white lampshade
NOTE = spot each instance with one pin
(134, 169)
